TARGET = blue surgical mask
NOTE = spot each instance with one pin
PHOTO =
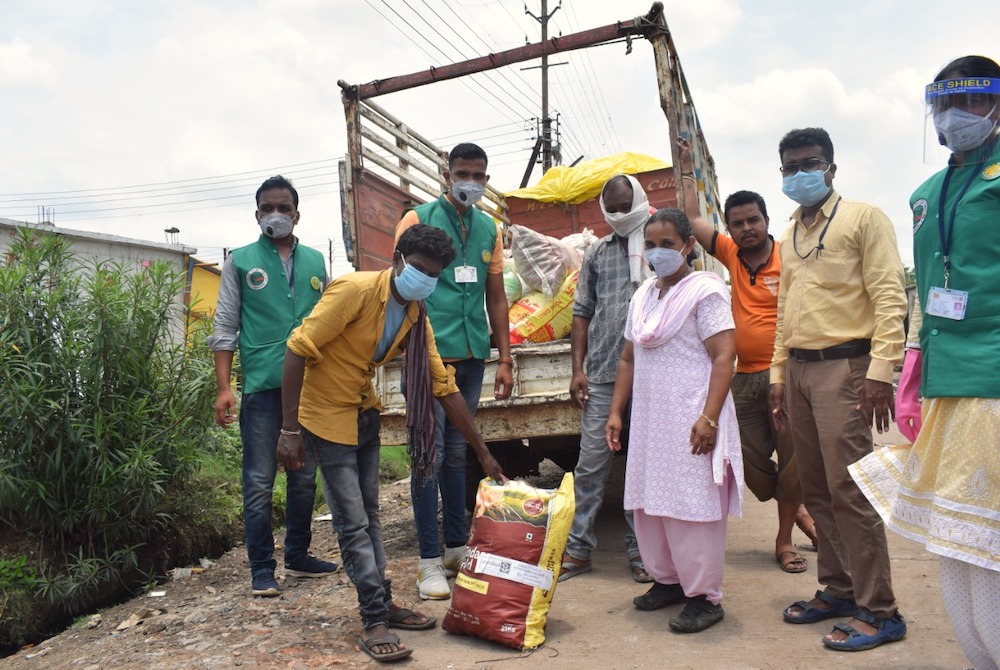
(467, 192)
(412, 284)
(665, 262)
(806, 188)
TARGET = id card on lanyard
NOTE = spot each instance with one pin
(944, 301)
(464, 273)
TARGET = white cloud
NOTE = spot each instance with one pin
(100, 94)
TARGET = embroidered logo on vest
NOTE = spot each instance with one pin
(919, 214)
(487, 255)
(256, 278)
(314, 282)
(991, 172)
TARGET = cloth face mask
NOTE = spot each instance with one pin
(961, 130)
(665, 262)
(467, 192)
(276, 225)
(624, 223)
(805, 188)
(412, 284)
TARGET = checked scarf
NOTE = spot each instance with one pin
(420, 423)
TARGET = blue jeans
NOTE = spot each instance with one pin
(351, 474)
(449, 469)
(260, 421)
(591, 474)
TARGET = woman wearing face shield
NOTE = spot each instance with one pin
(944, 491)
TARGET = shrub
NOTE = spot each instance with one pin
(104, 406)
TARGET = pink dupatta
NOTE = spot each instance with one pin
(655, 320)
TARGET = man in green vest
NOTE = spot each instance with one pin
(459, 322)
(267, 288)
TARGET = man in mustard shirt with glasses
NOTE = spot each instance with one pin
(838, 339)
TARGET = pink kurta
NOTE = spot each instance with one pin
(669, 389)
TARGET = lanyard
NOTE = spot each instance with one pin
(461, 230)
(945, 230)
(819, 247)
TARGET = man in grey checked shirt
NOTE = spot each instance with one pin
(612, 269)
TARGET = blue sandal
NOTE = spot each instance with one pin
(892, 629)
(839, 607)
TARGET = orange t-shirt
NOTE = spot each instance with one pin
(755, 303)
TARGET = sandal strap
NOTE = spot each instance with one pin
(388, 638)
(833, 601)
(869, 618)
(846, 628)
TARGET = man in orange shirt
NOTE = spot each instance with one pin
(754, 264)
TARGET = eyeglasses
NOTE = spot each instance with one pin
(808, 165)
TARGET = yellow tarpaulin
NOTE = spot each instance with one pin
(578, 184)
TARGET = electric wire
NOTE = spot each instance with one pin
(595, 89)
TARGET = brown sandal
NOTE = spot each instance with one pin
(795, 563)
(808, 530)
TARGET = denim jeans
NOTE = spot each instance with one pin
(260, 421)
(351, 474)
(591, 474)
(449, 470)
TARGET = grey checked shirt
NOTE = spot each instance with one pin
(603, 292)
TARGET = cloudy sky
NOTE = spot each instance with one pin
(132, 117)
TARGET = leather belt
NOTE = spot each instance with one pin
(846, 350)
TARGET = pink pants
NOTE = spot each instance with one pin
(689, 553)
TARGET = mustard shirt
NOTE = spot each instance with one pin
(338, 341)
(854, 290)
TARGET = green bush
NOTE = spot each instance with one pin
(105, 405)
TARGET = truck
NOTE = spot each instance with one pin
(390, 167)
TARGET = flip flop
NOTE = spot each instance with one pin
(639, 573)
(796, 557)
(398, 619)
(571, 567)
(368, 646)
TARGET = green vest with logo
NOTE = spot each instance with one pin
(457, 311)
(270, 308)
(960, 357)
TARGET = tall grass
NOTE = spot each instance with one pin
(104, 405)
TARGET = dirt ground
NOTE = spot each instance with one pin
(209, 620)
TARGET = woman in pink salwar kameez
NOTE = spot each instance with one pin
(684, 465)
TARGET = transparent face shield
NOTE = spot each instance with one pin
(962, 115)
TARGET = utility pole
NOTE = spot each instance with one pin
(543, 19)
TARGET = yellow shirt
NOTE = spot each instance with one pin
(854, 290)
(338, 341)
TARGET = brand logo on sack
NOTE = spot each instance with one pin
(533, 506)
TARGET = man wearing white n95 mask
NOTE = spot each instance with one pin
(612, 269)
(267, 288)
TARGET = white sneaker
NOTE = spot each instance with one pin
(431, 582)
(453, 557)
